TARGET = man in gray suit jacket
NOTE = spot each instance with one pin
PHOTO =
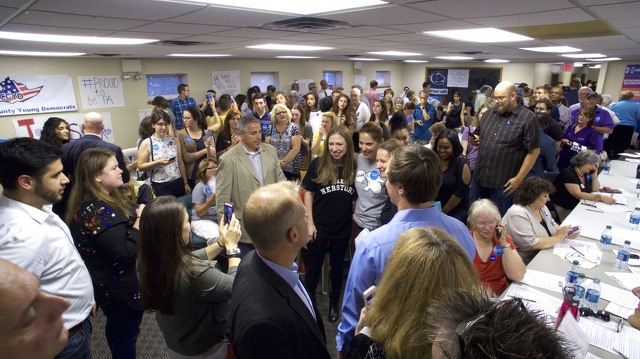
(243, 169)
(92, 128)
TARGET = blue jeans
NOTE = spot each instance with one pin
(497, 196)
(122, 329)
(79, 345)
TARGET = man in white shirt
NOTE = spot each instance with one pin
(36, 239)
(324, 90)
(362, 115)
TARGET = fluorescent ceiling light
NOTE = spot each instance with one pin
(72, 39)
(595, 66)
(394, 53)
(363, 59)
(606, 59)
(578, 64)
(282, 47)
(583, 56)
(454, 57)
(294, 6)
(479, 35)
(39, 53)
(496, 61)
(199, 55)
(416, 61)
(297, 57)
(558, 49)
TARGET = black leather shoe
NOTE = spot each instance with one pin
(334, 310)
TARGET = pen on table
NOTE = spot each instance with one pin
(620, 324)
(529, 300)
(595, 210)
(572, 247)
(618, 352)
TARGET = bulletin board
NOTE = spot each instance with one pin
(478, 77)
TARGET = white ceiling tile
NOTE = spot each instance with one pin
(37, 29)
(229, 17)
(123, 9)
(75, 21)
(545, 18)
(490, 8)
(392, 15)
(180, 28)
(361, 31)
(434, 26)
(624, 14)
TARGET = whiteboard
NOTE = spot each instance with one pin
(226, 82)
(458, 78)
(101, 91)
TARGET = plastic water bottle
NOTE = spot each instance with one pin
(607, 167)
(605, 239)
(572, 274)
(638, 189)
(580, 289)
(622, 260)
(634, 219)
(593, 294)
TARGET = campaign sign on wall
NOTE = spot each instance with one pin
(226, 82)
(631, 81)
(100, 92)
(28, 95)
(32, 126)
(438, 81)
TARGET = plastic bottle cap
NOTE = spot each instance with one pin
(608, 227)
(581, 275)
(637, 208)
(596, 280)
(627, 242)
(576, 262)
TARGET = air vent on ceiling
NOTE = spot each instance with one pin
(470, 52)
(182, 43)
(304, 24)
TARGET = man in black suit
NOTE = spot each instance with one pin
(272, 315)
(92, 128)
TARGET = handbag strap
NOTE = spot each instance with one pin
(151, 151)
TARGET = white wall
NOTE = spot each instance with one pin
(125, 119)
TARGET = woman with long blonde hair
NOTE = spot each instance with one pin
(424, 263)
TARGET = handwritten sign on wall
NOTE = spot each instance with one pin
(101, 91)
(226, 82)
(458, 78)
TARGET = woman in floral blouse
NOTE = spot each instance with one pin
(104, 227)
(285, 136)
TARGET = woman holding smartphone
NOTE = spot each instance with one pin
(188, 292)
(195, 143)
(468, 150)
(344, 111)
(204, 218)
(161, 155)
(329, 197)
(229, 136)
(329, 120)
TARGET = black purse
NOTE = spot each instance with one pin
(145, 192)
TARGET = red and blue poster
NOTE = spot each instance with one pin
(438, 81)
(631, 81)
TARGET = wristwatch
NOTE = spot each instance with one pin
(233, 251)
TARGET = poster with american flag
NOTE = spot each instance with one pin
(22, 95)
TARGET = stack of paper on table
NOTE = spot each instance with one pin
(587, 253)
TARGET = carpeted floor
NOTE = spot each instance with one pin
(151, 343)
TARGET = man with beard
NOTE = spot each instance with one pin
(509, 140)
(36, 239)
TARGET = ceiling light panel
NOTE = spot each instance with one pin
(552, 49)
(454, 57)
(72, 39)
(484, 35)
(283, 47)
(394, 53)
(39, 53)
(583, 56)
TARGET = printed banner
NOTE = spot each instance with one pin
(226, 82)
(21, 95)
(100, 91)
(458, 78)
(304, 85)
(438, 81)
(631, 81)
(32, 126)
